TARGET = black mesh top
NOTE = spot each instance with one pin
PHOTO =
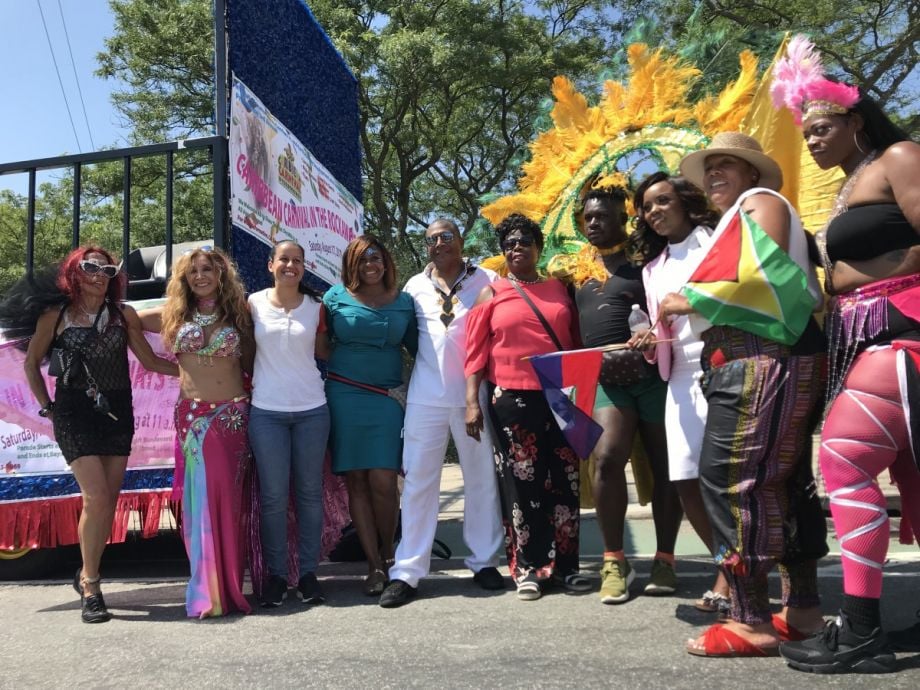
(104, 353)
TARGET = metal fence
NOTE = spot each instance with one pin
(215, 145)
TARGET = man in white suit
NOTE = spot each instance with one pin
(444, 293)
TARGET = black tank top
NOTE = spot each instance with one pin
(865, 232)
(603, 309)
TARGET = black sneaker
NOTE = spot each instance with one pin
(396, 594)
(94, 609)
(308, 590)
(275, 592)
(489, 578)
(840, 650)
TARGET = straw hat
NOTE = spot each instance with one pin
(740, 146)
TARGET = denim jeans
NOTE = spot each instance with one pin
(286, 446)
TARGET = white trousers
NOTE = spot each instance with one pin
(424, 445)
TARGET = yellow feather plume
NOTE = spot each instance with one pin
(651, 111)
(725, 112)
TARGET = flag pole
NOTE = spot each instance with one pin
(602, 348)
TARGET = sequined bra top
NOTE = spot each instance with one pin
(225, 342)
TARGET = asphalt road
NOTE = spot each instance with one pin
(454, 635)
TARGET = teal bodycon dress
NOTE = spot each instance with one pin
(367, 347)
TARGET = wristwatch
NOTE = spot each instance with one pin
(47, 409)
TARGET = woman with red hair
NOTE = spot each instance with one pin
(91, 413)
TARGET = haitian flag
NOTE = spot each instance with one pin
(568, 376)
(747, 281)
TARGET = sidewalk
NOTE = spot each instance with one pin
(639, 539)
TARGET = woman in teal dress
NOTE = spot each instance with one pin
(369, 321)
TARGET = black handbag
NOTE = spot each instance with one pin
(624, 368)
(59, 361)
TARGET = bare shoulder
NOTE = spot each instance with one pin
(901, 163)
(764, 202)
(902, 158)
(130, 314)
(485, 294)
(48, 318)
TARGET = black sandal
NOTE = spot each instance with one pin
(375, 583)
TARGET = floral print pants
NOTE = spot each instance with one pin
(538, 484)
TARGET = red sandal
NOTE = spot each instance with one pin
(786, 632)
(720, 642)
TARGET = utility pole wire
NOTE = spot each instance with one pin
(60, 81)
(75, 77)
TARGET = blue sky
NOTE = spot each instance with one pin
(35, 123)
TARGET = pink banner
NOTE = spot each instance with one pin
(27, 442)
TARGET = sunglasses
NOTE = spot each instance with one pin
(446, 237)
(203, 248)
(371, 255)
(92, 268)
(525, 241)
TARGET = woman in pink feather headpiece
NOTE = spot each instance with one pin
(871, 254)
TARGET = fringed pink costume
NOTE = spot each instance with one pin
(874, 386)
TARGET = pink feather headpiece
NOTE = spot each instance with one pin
(800, 85)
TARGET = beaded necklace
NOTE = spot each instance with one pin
(841, 205)
(513, 278)
(204, 320)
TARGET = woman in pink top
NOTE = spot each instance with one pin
(537, 470)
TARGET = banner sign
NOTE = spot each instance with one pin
(27, 445)
(280, 191)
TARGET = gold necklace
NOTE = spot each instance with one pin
(841, 203)
(610, 251)
(513, 278)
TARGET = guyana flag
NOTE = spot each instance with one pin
(749, 282)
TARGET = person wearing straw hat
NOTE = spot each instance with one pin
(752, 298)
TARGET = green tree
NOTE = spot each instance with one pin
(450, 93)
(162, 53)
(873, 43)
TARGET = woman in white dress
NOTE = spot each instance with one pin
(673, 228)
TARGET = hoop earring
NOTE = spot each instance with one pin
(858, 147)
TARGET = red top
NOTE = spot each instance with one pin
(504, 329)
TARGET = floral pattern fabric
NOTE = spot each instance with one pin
(538, 484)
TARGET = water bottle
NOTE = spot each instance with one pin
(638, 320)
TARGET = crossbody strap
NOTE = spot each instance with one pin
(546, 326)
(357, 384)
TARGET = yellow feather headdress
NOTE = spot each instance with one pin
(651, 112)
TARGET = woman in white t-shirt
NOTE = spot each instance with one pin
(289, 421)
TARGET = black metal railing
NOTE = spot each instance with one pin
(216, 145)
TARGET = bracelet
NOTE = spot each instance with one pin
(47, 409)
